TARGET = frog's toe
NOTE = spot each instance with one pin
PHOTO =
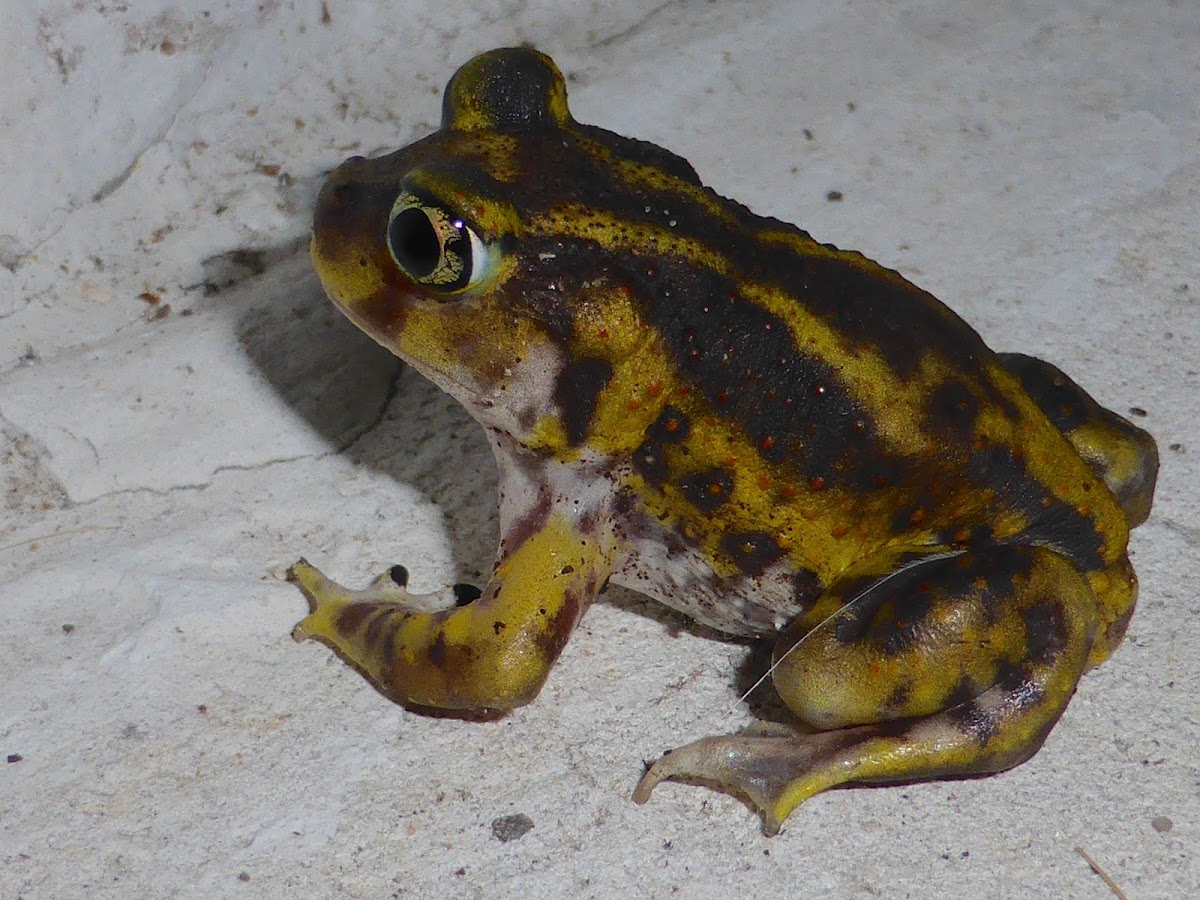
(325, 599)
(775, 772)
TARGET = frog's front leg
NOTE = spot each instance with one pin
(494, 652)
(956, 664)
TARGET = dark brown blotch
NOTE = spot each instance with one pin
(576, 393)
(649, 460)
(1051, 521)
(1023, 689)
(1064, 402)
(708, 490)
(437, 651)
(974, 721)
(389, 642)
(952, 408)
(1045, 632)
(898, 699)
(806, 588)
(671, 427)
(753, 552)
(375, 626)
(558, 627)
(351, 618)
(964, 691)
(904, 621)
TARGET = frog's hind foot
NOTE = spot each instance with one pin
(761, 768)
(778, 772)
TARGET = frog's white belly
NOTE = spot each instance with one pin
(661, 566)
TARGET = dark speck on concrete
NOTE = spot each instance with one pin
(510, 828)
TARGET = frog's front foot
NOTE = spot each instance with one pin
(461, 648)
(335, 610)
(425, 650)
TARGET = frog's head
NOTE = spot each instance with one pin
(490, 254)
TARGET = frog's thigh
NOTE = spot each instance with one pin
(951, 666)
(1124, 455)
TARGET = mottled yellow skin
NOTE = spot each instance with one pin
(774, 435)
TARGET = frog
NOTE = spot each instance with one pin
(778, 438)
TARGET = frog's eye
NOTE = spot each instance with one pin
(435, 247)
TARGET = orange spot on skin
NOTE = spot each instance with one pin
(729, 462)
(767, 442)
(655, 388)
(917, 517)
(672, 426)
(839, 530)
(635, 404)
(816, 483)
(764, 482)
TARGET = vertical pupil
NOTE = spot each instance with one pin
(415, 242)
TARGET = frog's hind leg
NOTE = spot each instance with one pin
(955, 664)
(1124, 455)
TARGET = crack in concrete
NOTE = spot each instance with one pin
(1189, 533)
(199, 485)
(18, 259)
(114, 184)
(389, 395)
(636, 26)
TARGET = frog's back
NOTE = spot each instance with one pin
(825, 398)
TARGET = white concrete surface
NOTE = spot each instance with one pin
(166, 447)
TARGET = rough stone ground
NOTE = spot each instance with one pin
(181, 414)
